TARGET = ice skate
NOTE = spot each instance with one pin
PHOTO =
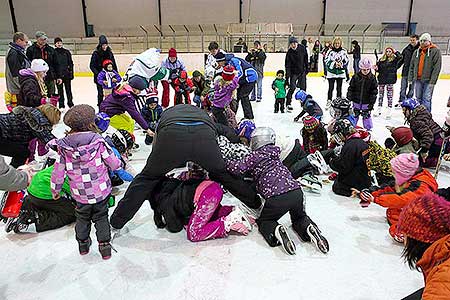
(83, 246)
(237, 221)
(289, 107)
(250, 212)
(105, 250)
(379, 111)
(317, 161)
(286, 242)
(317, 238)
(312, 183)
(21, 223)
(389, 113)
(328, 105)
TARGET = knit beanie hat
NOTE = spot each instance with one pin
(219, 57)
(426, 218)
(404, 166)
(402, 135)
(365, 63)
(292, 39)
(138, 82)
(102, 40)
(39, 65)
(172, 52)
(310, 123)
(196, 73)
(57, 39)
(425, 37)
(228, 73)
(80, 117)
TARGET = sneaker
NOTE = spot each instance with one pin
(105, 250)
(289, 107)
(317, 238)
(312, 182)
(328, 105)
(237, 221)
(317, 161)
(389, 113)
(283, 237)
(83, 246)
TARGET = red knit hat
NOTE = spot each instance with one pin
(426, 218)
(172, 52)
(228, 73)
(402, 135)
(310, 123)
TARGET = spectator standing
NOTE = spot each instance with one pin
(256, 57)
(407, 90)
(175, 66)
(15, 60)
(296, 64)
(325, 49)
(424, 70)
(317, 48)
(42, 50)
(336, 62)
(243, 44)
(65, 72)
(356, 52)
(101, 53)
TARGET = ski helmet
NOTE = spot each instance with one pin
(341, 130)
(301, 95)
(122, 140)
(410, 103)
(340, 107)
(262, 136)
(246, 128)
(102, 121)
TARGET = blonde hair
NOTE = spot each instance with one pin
(336, 39)
(223, 82)
(385, 57)
(52, 113)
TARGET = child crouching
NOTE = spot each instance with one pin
(282, 193)
(86, 157)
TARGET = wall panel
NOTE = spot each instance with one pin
(6, 27)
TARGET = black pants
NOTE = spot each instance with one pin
(50, 84)
(243, 93)
(99, 94)
(276, 207)
(96, 213)
(219, 114)
(279, 104)
(174, 145)
(292, 86)
(179, 97)
(417, 295)
(52, 214)
(301, 82)
(17, 151)
(67, 84)
(331, 82)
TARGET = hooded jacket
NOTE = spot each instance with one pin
(296, 61)
(30, 91)
(363, 89)
(405, 59)
(98, 56)
(123, 101)
(246, 72)
(46, 53)
(424, 128)
(24, 124)
(432, 63)
(387, 69)
(264, 165)
(85, 158)
(16, 60)
(224, 94)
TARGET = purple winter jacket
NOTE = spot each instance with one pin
(271, 176)
(85, 157)
(120, 102)
(222, 95)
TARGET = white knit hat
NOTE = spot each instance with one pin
(425, 37)
(39, 65)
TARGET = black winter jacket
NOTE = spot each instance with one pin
(185, 113)
(24, 124)
(257, 58)
(363, 89)
(65, 63)
(351, 167)
(30, 92)
(97, 58)
(46, 53)
(387, 70)
(405, 60)
(296, 61)
(424, 128)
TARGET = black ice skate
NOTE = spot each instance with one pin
(317, 238)
(21, 223)
(83, 246)
(283, 237)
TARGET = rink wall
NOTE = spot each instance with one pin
(195, 61)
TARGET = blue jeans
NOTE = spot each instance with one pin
(197, 101)
(356, 65)
(424, 93)
(258, 88)
(406, 90)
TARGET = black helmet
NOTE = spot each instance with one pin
(340, 107)
(122, 140)
(342, 129)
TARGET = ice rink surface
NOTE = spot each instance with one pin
(363, 262)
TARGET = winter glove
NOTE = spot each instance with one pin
(124, 175)
(44, 101)
(366, 198)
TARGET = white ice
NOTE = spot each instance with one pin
(363, 262)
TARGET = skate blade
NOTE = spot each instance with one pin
(318, 240)
(286, 242)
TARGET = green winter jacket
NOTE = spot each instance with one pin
(431, 66)
(280, 84)
(40, 185)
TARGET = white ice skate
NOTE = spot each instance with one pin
(251, 212)
(311, 183)
(237, 217)
(316, 159)
(328, 105)
(286, 242)
(389, 113)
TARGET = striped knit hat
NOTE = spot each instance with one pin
(310, 123)
(426, 218)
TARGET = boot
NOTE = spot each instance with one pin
(283, 237)
(83, 246)
(105, 249)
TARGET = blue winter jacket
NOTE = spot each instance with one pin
(246, 72)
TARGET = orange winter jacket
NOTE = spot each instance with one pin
(422, 182)
(435, 265)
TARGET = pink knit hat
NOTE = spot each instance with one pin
(404, 166)
(365, 63)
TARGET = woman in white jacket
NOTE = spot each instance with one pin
(336, 61)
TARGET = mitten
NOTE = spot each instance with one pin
(366, 198)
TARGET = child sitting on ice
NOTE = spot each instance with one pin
(315, 137)
(279, 86)
(363, 91)
(411, 181)
(85, 157)
(402, 140)
(379, 162)
(183, 87)
(282, 193)
(151, 112)
(108, 78)
(224, 91)
(309, 106)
